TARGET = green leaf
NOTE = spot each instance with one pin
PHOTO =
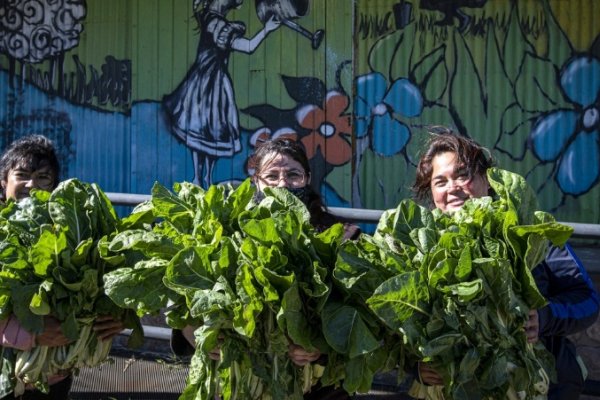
(142, 214)
(442, 344)
(39, 304)
(465, 292)
(441, 269)
(358, 375)
(237, 202)
(280, 199)
(21, 298)
(465, 264)
(425, 239)
(514, 188)
(556, 232)
(398, 298)
(70, 327)
(71, 207)
(209, 302)
(190, 270)
(326, 243)
(149, 243)
(264, 230)
(273, 284)
(346, 331)
(82, 252)
(45, 254)
(140, 289)
(103, 215)
(292, 319)
(166, 204)
(28, 218)
(402, 220)
(245, 315)
(13, 254)
(358, 271)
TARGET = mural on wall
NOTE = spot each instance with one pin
(319, 120)
(202, 110)
(487, 69)
(32, 33)
(503, 72)
(37, 32)
(518, 76)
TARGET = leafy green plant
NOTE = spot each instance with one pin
(457, 288)
(50, 266)
(252, 277)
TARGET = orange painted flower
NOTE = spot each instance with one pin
(329, 128)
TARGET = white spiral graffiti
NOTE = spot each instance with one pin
(34, 30)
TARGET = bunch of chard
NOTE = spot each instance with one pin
(50, 267)
(457, 288)
(250, 275)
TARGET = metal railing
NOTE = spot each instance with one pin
(580, 230)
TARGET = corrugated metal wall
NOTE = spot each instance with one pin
(521, 77)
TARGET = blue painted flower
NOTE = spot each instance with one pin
(571, 137)
(374, 108)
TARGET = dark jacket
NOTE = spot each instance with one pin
(573, 307)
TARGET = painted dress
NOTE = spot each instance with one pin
(202, 110)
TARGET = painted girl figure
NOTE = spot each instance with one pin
(202, 111)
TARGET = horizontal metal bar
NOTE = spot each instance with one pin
(357, 214)
(152, 332)
(587, 231)
(580, 230)
(127, 199)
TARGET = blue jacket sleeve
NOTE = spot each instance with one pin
(573, 300)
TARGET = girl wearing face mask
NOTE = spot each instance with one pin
(453, 170)
(283, 163)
